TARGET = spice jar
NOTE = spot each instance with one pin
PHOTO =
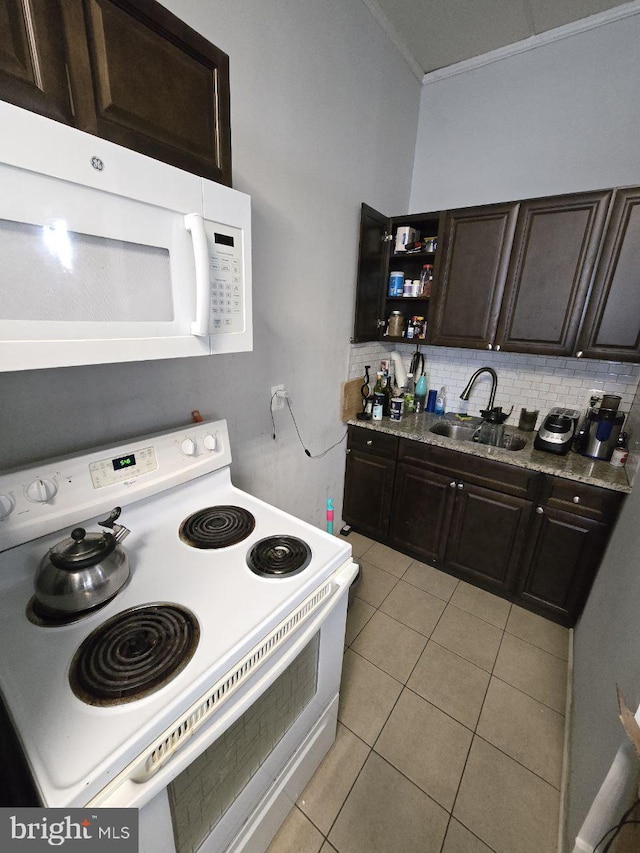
(396, 324)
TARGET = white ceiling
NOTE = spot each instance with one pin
(438, 33)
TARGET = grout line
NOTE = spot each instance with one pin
(517, 761)
(475, 615)
(518, 637)
(524, 693)
(404, 686)
(455, 799)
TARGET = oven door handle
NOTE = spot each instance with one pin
(124, 791)
(194, 223)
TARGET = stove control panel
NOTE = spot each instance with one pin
(61, 492)
(106, 472)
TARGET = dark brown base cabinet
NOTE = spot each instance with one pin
(371, 464)
(422, 506)
(531, 538)
(484, 542)
(563, 552)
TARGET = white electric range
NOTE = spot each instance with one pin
(250, 638)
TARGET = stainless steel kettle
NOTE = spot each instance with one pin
(84, 570)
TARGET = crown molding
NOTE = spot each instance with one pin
(394, 35)
(592, 22)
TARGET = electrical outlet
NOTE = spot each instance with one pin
(278, 396)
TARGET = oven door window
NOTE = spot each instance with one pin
(203, 792)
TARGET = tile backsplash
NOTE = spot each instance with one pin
(530, 381)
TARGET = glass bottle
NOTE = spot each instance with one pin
(378, 398)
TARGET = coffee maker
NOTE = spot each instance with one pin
(598, 435)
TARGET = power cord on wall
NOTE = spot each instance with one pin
(617, 828)
(273, 424)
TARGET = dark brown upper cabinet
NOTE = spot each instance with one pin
(552, 261)
(376, 259)
(32, 59)
(474, 259)
(144, 79)
(373, 260)
(611, 329)
(550, 276)
(126, 70)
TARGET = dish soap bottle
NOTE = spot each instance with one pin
(420, 394)
(441, 402)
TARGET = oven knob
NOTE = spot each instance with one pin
(41, 491)
(210, 441)
(7, 506)
(189, 447)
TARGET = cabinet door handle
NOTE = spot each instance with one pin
(539, 510)
(576, 499)
(489, 346)
(369, 442)
(461, 485)
(579, 354)
(452, 484)
(497, 347)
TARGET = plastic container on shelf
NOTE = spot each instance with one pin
(396, 283)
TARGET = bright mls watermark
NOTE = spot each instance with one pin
(79, 830)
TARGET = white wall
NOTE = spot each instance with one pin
(561, 118)
(324, 116)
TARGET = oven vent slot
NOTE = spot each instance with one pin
(169, 743)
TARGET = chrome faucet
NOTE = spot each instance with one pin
(494, 385)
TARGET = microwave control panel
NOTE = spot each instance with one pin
(226, 275)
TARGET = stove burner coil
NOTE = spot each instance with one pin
(133, 654)
(217, 527)
(279, 556)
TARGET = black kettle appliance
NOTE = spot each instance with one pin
(600, 432)
(556, 432)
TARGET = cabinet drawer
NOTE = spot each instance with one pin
(473, 469)
(370, 441)
(582, 499)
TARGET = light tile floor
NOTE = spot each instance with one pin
(450, 731)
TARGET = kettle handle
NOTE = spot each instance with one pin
(113, 516)
(120, 532)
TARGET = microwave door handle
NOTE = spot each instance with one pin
(194, 223)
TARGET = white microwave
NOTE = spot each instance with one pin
(108, 256)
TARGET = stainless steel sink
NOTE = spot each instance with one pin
(465, 432)
(460, 432)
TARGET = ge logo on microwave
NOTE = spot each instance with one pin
(97, 163)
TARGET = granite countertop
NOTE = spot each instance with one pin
(572, 466)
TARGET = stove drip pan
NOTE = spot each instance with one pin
(133, 654)
(217, 527)
(279, 556)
